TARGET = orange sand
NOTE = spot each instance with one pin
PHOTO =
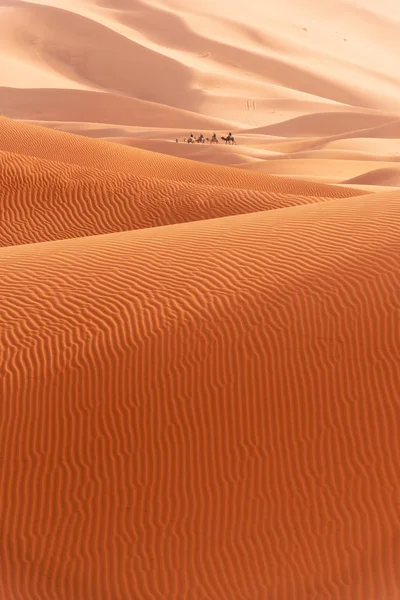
(202, 410)
(199, 345)
(46, 200)
(205, 410)
(71, 201)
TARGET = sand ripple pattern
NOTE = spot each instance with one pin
(58, 146)
(44, 200)
(204, 411)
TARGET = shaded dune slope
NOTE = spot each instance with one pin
(98, 107)
(91, 54)
(325, 124)
(44, 200)
(205, 411)
(388, 176)
(92, 153)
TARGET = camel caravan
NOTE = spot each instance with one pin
(229, 139)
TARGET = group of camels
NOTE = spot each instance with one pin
(229, 139)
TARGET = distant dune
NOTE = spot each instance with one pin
(324, 74)
(388, 177)
(98, 107)
(324, 124)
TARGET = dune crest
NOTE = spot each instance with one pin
(31, 140)
(45, 200)
(386, 177)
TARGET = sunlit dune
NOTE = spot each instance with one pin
(58, 146)
(325, 124)
(330, 170)
(205, 410)
(45, 200)
(379, 177)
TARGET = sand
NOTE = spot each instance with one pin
(144, 73)
(89, 202)
(45, 200)
(200, 345)
(205, 410)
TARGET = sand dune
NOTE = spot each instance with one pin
(231, 62)
(59, 146)
(330, 170)
(330, 159)
(229, 155)
(44, 200)
(385, 177)
(205, 410)
(64, 41)
(325, 124)
(98, 107)
(390, 130)
(199, 345)
(324, 74)
(383, 147)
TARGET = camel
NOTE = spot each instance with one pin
(212, 140)
(229, 139)
(192, 140)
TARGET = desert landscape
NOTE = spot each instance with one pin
(200, 343)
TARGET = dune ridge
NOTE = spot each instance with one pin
(45, 200)
(79, 150)
(382, 176)
(219, 66)
(325, 124)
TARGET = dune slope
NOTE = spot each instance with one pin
(205, 410)
(388, 177)
(73, 149)
(222, 61)
(44, 200)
